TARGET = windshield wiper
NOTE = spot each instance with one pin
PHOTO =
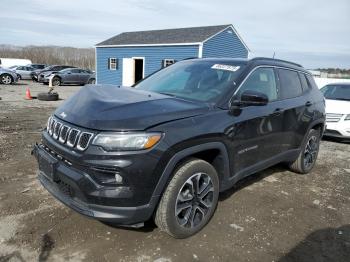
(167, 94)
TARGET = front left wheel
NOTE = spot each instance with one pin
(6, 79)
(189, 200)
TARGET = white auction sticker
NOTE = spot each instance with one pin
(225, 67)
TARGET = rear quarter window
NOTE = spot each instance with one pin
(290, 84)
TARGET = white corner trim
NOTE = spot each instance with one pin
(235, 31)
(200, 51)
(95, 65)
(138, 45)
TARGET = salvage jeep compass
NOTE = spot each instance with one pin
(165, 148)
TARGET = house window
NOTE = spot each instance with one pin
(112, 63)
(168, 62)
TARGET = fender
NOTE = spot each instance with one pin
(314, 123)
(164, 178)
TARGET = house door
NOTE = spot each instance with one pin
(138, 69)
(133, 70)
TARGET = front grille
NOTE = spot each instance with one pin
(70, 136)
(333, 117)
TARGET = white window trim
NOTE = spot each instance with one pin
(168, 60)
(110, 63)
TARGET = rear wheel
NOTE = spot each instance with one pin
(6, 79)
(190, 199)
(308, 154)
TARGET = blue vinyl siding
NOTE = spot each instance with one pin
(153, 59)
(225, 44)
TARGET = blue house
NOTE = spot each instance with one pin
(128, 57)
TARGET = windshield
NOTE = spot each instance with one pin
(197, 80)
(336, 92)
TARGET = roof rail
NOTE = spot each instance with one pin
(277, 60)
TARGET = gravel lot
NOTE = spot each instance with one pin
(275, 215)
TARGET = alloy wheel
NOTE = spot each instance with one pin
(310, 152)
(6, 79)
(194, 200)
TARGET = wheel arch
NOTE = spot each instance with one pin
(213, 152)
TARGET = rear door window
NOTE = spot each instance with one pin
(304, 83)
(290, 84)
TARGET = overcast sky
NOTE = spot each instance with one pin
(315, 33)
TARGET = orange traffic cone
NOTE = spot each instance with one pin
(28, 95)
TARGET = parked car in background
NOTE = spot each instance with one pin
(69, 76)
(24, 72)
(7, 62)
(92, 79)
(38, 75)
(8, 76)
(337, 110)
(37, 66)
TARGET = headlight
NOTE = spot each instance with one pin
(347, 117)
(126, 141)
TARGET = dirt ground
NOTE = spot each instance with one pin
(275, 215)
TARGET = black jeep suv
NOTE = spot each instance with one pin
(166, 147)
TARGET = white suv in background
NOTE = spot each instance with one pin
(337, 110)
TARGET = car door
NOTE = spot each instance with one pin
(71, 76)
(20, 70)
(26, 72)
(84, 76)
(257, 131)
(296, 117)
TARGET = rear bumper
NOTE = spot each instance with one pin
(65, 185)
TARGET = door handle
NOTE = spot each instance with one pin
(277, 112)
(308, 103)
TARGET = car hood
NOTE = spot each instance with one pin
(337, 106)
(113, 108)
(6, 70)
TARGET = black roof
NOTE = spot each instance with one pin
(166, 36)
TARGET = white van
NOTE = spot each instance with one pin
(7, 62)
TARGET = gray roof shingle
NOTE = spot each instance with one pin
(166, 36)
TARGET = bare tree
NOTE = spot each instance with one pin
(52, 55)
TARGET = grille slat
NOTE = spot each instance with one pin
(72, 137)
(64, 134)
(57, 130)
(53, 122)
(84, 140)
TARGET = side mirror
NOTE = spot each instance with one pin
(251, 98)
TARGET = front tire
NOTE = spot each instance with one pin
(6, 79)
(189, 200)
(308, 154)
